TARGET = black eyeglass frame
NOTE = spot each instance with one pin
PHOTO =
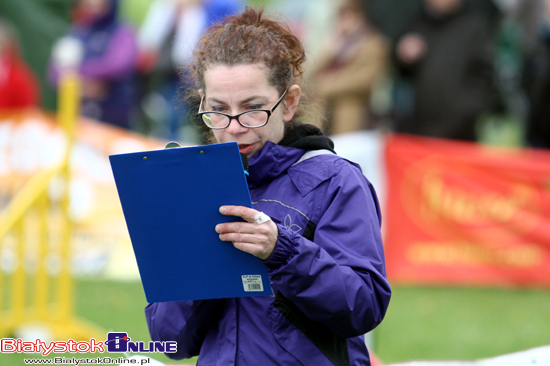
(268, 111)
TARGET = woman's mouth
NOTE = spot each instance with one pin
(245, 148)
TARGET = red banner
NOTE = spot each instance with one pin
(461, 213)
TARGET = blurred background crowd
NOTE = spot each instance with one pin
(474, 70)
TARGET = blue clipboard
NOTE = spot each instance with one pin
(171, 200)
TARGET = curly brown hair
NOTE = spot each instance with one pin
(250, 38)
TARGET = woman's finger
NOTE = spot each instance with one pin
(244, 238)
(248, 214)
(240, 227)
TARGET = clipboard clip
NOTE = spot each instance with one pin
(172, 144)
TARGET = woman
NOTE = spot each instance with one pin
(321, 246)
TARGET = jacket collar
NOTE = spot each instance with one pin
(270, 162)
(275, 159)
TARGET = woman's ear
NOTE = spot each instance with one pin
(290, 102)
(201, 93)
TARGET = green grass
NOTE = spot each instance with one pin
(422, 322)
(434, 323)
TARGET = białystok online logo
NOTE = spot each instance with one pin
(116, 342)
(120, 342)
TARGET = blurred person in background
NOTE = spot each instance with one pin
(348, 68)
(538, 85)
(166, 41)
(309, 20)
(19, 87)
(516, 39)
(108, 65)
(446, 71)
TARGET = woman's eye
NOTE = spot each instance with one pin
(255, 106)
(217, 109)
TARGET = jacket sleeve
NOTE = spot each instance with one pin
(339, 279)
(185, 322)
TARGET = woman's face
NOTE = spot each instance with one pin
(443, 7)
(88, 11)
(239, 88)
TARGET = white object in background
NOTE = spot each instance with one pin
(365, 148)
(67, 53)
(30, 332)
(539, 356)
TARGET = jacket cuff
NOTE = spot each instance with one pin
(284, 250)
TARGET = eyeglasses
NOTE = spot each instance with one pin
(250, 119)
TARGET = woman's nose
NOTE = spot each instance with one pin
(235, 127)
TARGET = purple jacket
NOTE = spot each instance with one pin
(327, 270)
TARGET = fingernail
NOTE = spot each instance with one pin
(218, 229)
(223, 209)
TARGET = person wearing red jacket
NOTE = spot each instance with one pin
(19, 87)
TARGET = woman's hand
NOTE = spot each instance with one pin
(250, 237)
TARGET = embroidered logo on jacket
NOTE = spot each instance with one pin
(290, 226)
(288, 219)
